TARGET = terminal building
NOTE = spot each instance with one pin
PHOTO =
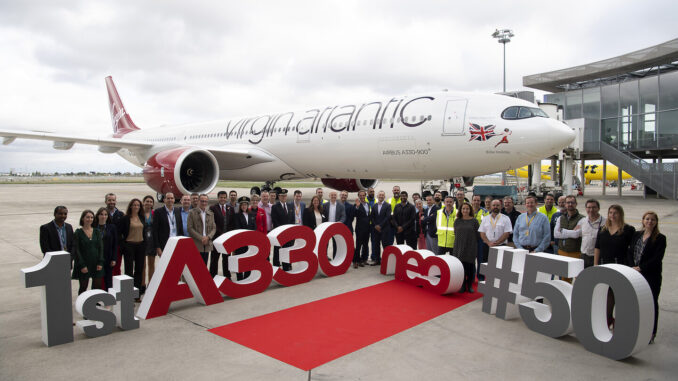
(628, 106)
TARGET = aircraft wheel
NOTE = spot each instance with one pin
(160, 196)
(255, 190)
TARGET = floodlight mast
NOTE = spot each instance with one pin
(503, 36)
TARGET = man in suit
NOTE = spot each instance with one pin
(403, 220)
(57, 235)
(349, 211)
(335, 212)
(224, 219)
(166, 223)
(201, 227)
(380, 216)
(281, 214)
(115, 217)
(362, 230)
(298, 206)
(429, 225)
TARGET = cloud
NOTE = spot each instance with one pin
(178, 63)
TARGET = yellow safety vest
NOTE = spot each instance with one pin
(445, 226)
(393, 201)
(553, 211)
(481, 213)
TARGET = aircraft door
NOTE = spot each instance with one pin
(455, 115)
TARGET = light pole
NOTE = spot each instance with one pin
(503, 36)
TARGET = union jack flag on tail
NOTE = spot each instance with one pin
(481, 133)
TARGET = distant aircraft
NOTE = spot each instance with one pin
(591, 173)
(349, 146)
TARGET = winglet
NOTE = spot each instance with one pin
(122, 123)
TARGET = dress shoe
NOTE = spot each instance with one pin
(355, 265)
(470, 290)
(376, 264)
(361, 264)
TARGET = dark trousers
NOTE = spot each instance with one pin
(205, 256)
(588, 260)
(96, 285)
(361, 246)
(214, 264)
(469, 274)
(442, 250)
(483, 251)
(379, 239)
(135, 257)
(410, 239)
(276, 256)
(655, 287)
(108, 275)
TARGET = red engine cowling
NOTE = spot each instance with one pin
(182, 171)
(350, 185)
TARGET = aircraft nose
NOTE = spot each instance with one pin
(561, 135)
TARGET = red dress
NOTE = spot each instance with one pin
(261, 220)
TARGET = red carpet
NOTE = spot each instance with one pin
(312, 334)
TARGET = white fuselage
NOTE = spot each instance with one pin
(411, 137)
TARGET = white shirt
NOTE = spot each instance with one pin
(588, 231)
(172, 222)
(494, 227)
(332, 216)
(202, 216)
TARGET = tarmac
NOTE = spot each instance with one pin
(462, 344)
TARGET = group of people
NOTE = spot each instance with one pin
(445, 225)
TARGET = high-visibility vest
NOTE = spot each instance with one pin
(393, 201)
(553, 211)
(445, 226)
(481, 213)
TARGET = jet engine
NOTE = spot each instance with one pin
(183, 170)
(350, 185)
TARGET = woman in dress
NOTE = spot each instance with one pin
(151, 253)
(245, 219)
(88, 252)
(109, 237)
(466, 243)
(612, 246)
(260, 214)
(646, 253)
(313, 214)
(134, 245)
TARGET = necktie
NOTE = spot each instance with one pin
(285, 207)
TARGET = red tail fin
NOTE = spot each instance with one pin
(122, 123)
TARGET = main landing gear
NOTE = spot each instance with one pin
(266, 187)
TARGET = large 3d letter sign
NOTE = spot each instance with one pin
(515, 279)
(181, 258)
(54, 272)
(442, 274)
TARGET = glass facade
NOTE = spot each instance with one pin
(636, 114)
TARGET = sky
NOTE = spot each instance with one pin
(178, 62)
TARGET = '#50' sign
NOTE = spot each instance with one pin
(514, 280)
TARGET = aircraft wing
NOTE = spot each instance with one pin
(228, 157)
(64, 142)
(239, 156)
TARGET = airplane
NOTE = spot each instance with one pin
(591, 173)
(349, 146)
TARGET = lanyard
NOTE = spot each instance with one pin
(530, 221)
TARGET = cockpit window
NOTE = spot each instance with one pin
(521, 112)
